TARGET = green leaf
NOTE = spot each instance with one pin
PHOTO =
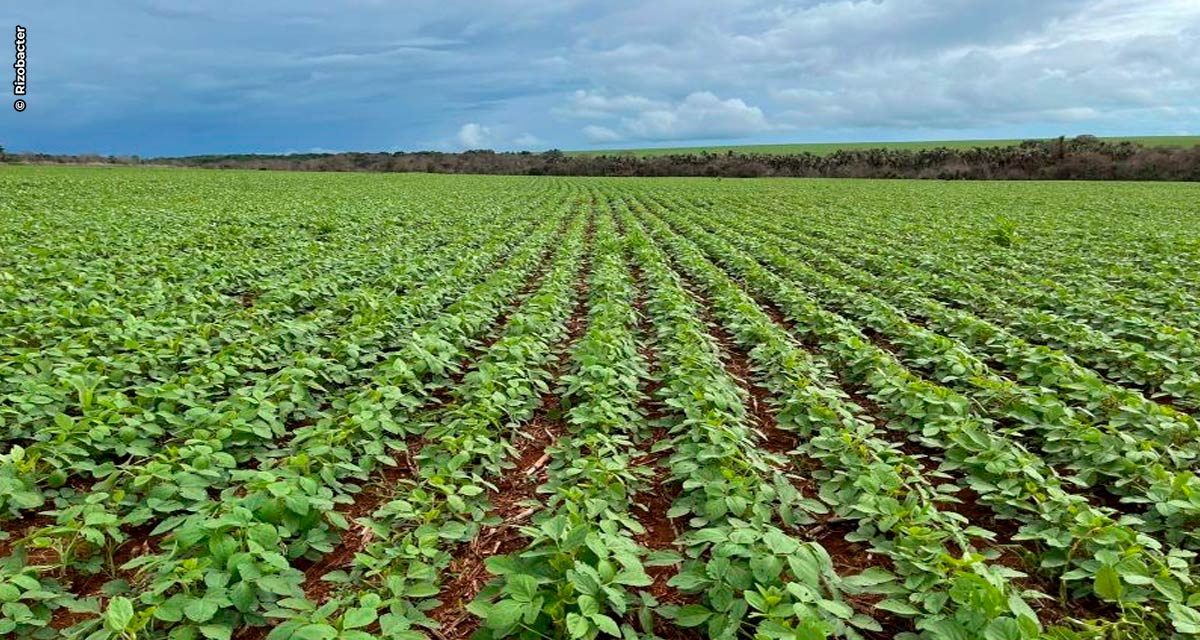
(947, 629)
(358, 617)
(812, 629)
(766, 568)
(805, 568)
(839, 609)
(1169, 588)
(577, 625)
(588, 605)
(421, 590)
(873, 576)
(606, 624)
(29, 583)
(633, 577)
(779, 542)
(897, 606)
(454, 530)
(521, 587)
(277, 585)
(717, 567)
(501, 565)
(688, 581)
(216, 631)
(1002, 629)
(297, 504)
(1108, 583)
(1184, 618)
(692, 615)
(171, 610)
(662, 558)
(119, 614)
(315, 632)
(200, 610)
(1021, 609)
(244, 596)
(504, 614)
(9, 593)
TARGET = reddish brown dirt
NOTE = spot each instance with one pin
(20, 528)
(881, 341)
(758, 404)
(357, 537)
(535, 280)
(651, 407)
(353, 540)
(63, 619)
(656, 500)
(851, 558)
(868, 409)
(848, 558)
(468, 568)
(660, 534)
(137, 542)
(737, 364)
(651, 509)
(245, 297)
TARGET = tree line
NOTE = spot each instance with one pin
(1079, 158)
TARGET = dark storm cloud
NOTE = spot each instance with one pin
(157, 77)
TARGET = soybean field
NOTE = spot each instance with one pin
(246, 405)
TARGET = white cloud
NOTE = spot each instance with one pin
(527, 140)
(700, 115)
(896, 66)
(595, 133)
(593, 104)
(473, 135)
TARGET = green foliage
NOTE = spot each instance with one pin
(1004, 233)
(304, 406)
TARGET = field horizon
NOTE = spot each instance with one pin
(822, 148)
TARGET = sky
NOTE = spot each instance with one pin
(159, 78)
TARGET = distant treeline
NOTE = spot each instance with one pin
(1080, 158)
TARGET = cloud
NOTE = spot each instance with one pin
(473, 135)
(594, 104)
(378, 75)
(1074, 72)
(700, 115)
(595, 133)
(527, 140)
